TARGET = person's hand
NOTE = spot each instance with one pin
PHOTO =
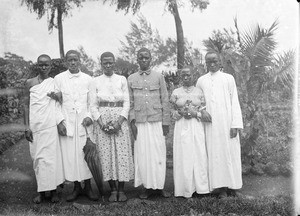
(180, 112)
(109, 128)
(55, 96)
(233, 132)
(28, 135)
(100, 123)
(116, 126)
(87, 121)
(193, 113)
(205, 116)
(165, 130)
(133, 129)
(62, 129)
(187, 115)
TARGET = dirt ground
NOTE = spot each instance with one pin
(18, 184)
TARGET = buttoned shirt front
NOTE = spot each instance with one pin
(149, 100)
(109, 88)
(75, 96)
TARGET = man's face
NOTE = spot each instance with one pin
(108, 65)
(213, 63)
(186, 77)
(44, 64)
(73, 62)
(144, 59)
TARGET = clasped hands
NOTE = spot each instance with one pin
(190, 112)
(111, 127)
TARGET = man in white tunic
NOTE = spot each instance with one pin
(222, 139)
(41, 117)
(150, 117)
(74, 88)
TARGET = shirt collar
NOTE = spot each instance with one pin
(74, 75)
(215, 73)
(147, 72)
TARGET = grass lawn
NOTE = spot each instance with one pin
(281, 205)
(264, 195)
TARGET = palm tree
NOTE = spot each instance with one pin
(256, 67)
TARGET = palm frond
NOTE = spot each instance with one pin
(258, 44)
(213, 45)
(283, 70)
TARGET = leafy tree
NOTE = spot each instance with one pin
(88, 65)
(14, 70)
(57, 10)
(124, 67)
(143, 35)
(172, 6)
(163, 51)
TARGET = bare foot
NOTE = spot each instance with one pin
(165, 194)
(73, 196)
(145, 194)
(54, 197)
(113, 196)
(90, 194)
(122, 196)
(40, 198)
(223, 194)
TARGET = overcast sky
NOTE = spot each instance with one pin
(100, 28)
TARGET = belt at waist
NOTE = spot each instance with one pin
(111, 104)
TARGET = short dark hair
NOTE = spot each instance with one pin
(213, 52)
(107, 54)
(43, 56)
(190, 67)
(73, 52)
(143, 49)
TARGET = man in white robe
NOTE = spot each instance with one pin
(150, 117)
(222, 138)
(73, 85)
(41, 118)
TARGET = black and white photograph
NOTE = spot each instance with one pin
(149, 107)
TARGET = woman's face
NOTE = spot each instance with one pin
(108, 65)
(186, 77)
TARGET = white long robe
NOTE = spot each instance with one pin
(45, 149)
(224, 154)
(75, 107)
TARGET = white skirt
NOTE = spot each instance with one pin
(75, 167)
(150, 156)
(190, 158)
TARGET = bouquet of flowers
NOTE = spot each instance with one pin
(109, 128)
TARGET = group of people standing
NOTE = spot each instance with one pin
(60, 112)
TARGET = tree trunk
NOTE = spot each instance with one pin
(180, 36)
(60, 30)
